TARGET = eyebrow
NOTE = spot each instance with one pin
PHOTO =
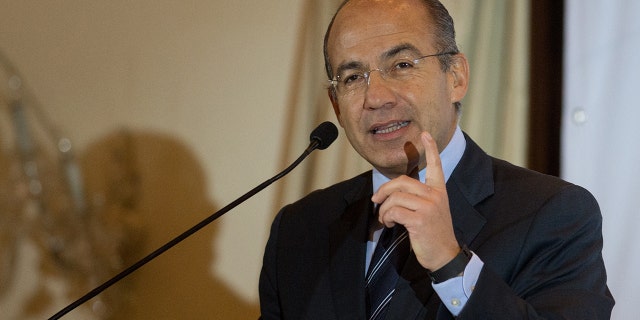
(401, 48)
(352, 65)
(393, 52)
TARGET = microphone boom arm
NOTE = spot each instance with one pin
(319, 140)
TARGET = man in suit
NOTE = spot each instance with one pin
(486, 239)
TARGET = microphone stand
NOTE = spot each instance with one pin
(320, 142)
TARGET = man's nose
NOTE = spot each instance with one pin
(378, 93)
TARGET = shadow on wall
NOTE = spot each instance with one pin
(152, 187)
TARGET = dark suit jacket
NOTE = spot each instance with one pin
(539, 237)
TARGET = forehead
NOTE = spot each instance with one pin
(370, 27)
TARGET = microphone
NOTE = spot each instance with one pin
(324, 135)
(321, 137)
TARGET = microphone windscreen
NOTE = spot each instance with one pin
(325, 134)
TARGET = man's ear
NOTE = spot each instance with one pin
(334, 103)
(459, 72)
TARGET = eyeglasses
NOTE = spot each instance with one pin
(353, 81)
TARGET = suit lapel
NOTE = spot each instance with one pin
(348, 244)
(467, 221)
(469, 184)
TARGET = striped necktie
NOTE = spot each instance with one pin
(386, 264)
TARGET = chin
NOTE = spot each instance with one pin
(393, 168)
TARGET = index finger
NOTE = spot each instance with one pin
(434, 175)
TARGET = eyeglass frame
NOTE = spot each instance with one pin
(366, 74)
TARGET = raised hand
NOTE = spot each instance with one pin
(423, 209)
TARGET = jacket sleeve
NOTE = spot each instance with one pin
(268, 288)
(559, 272)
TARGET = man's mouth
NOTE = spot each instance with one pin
(390, 127)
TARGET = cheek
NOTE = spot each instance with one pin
(419, 96)
(339, 118)
(350, 115)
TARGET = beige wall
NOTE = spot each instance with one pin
(204, 81)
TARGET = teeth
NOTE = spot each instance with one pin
(391, 128)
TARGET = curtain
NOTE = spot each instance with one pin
(307, 107)
(493, 34)
(599, 130)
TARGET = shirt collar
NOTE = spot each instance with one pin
(450, 157)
